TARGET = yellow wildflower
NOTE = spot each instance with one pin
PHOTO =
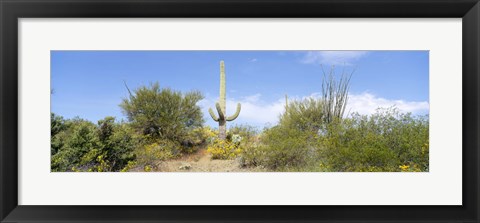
(404, 167)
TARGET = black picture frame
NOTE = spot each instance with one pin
(12, 10)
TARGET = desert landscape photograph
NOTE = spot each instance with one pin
(239, 111)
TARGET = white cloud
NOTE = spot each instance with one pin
(254, 111)
(367, 103)
(259, 113)
(253, 60)
(252, 98)
(333, 57)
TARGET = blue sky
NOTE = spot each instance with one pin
(89, 84)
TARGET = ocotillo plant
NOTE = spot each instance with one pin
(221, 107)
(335, 94)
(286, 102)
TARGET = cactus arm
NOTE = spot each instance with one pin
(221, 114)
(214, 117)
(237, 112)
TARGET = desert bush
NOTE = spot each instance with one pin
(224, 149)
(57, 124)
(84, 146)
(252, 156)
(210, 134)
(280, 149)
(315, 112)
(384, 141)
(58, 127)
(76, 141)
(304, 115)
(162, 113)
(117, 142)
(197, 138)
(148, 156)
(246, 132)
(238, 137)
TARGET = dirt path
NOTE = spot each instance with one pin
(201, 162)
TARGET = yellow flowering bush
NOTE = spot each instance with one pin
(224, 149)
(148, 155)
(130, 165)
(147, 168)
(197, 138)
(209, 132)
(404, 168)
(410, 168)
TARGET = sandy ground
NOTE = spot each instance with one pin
(201, 162)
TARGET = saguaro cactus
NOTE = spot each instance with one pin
(221, 107)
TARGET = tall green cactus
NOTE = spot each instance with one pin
(221, 107)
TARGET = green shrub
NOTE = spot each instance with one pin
(148, 156)
(280, 149)
(246, 132)
(289, 146)
(162, 113)
(117, 142)
(303, 115)
(84, 146)
(57, 124)
(77, 141)
(252, 155)
(384, 141)
(197, 138)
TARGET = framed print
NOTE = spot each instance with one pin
(239, 111)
